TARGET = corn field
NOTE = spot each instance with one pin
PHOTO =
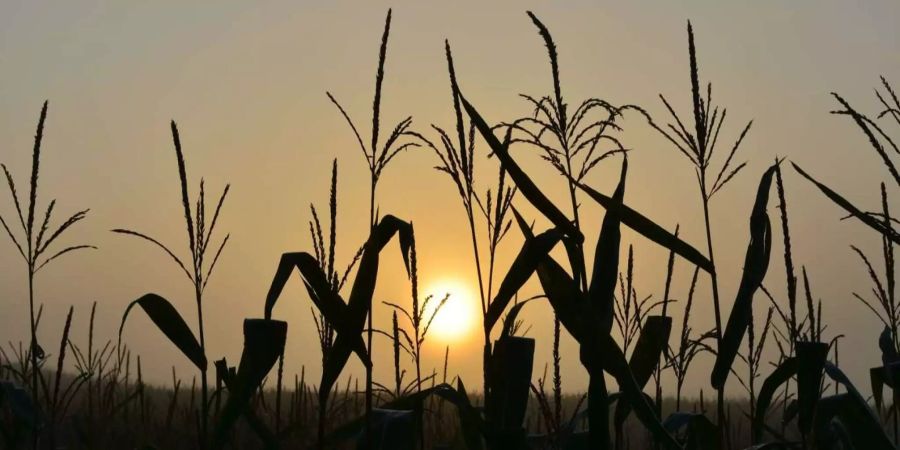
(89, 391)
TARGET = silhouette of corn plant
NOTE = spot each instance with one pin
(680, 359)
(34, 246)
(573, 144)
(420, 322)
(698, 146)
(348, 319)
(264, 341)
(571, 301)
(881, 142)
(377, 158)
(457, 160)
(325, 256)
(417, 316)
(752, 357)
(884, 306)
(160, 310)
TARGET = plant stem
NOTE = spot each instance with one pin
(373, 185)
(34, 362)
(720, 393)
(484, 296)
(598, 411)
(204, 419)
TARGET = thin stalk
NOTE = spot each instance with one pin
(482, 294)
(720, 393)
(373, 185)
(204, 386)
(34, 363)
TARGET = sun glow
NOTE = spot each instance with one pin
(459, 315)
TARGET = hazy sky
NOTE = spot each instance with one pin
(246, 83)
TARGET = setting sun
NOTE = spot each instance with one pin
(459, 315)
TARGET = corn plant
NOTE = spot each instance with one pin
(324, 252)
(689, 346)
(884, 304)
(573, 300)
(34, 246)
(698, 145)
(348, 318)
(161, 312)
(378, 156)
(419, 320)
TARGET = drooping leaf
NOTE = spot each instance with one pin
(560, 289)
(613, 361)
(264, 341)
(469, 419)
(862, 428)
(781, 374)
(524, 184)
(509, 322)
(852, 409)
(169, 321)
(650, 230)
(364, 285)
(360, 302)
(329, 303)
(323, 296)
(532, 253)
(651, 343)
(756, 263)
(850, 208)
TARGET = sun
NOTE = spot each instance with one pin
(459, 315)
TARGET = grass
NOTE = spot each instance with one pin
(799, 399)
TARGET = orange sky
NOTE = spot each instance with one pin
(247, 87)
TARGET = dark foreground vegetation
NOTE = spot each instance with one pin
(627, 342)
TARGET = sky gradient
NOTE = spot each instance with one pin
(246, 84)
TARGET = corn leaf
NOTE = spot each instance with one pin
(876, 377)
(606, 261)
(756, 264)
(329, 303)
(856, 414)
(855, 418)
(360, 302)
(264, 341)
(532, 253)
(511, 365)
(850, 208)
(613, 361)
(524, 184)
(560, 289)
(784, 372)
(811, 357)
(169, 321)
(645, 357)
(509, 322)
(320, 292)
(650, 230)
